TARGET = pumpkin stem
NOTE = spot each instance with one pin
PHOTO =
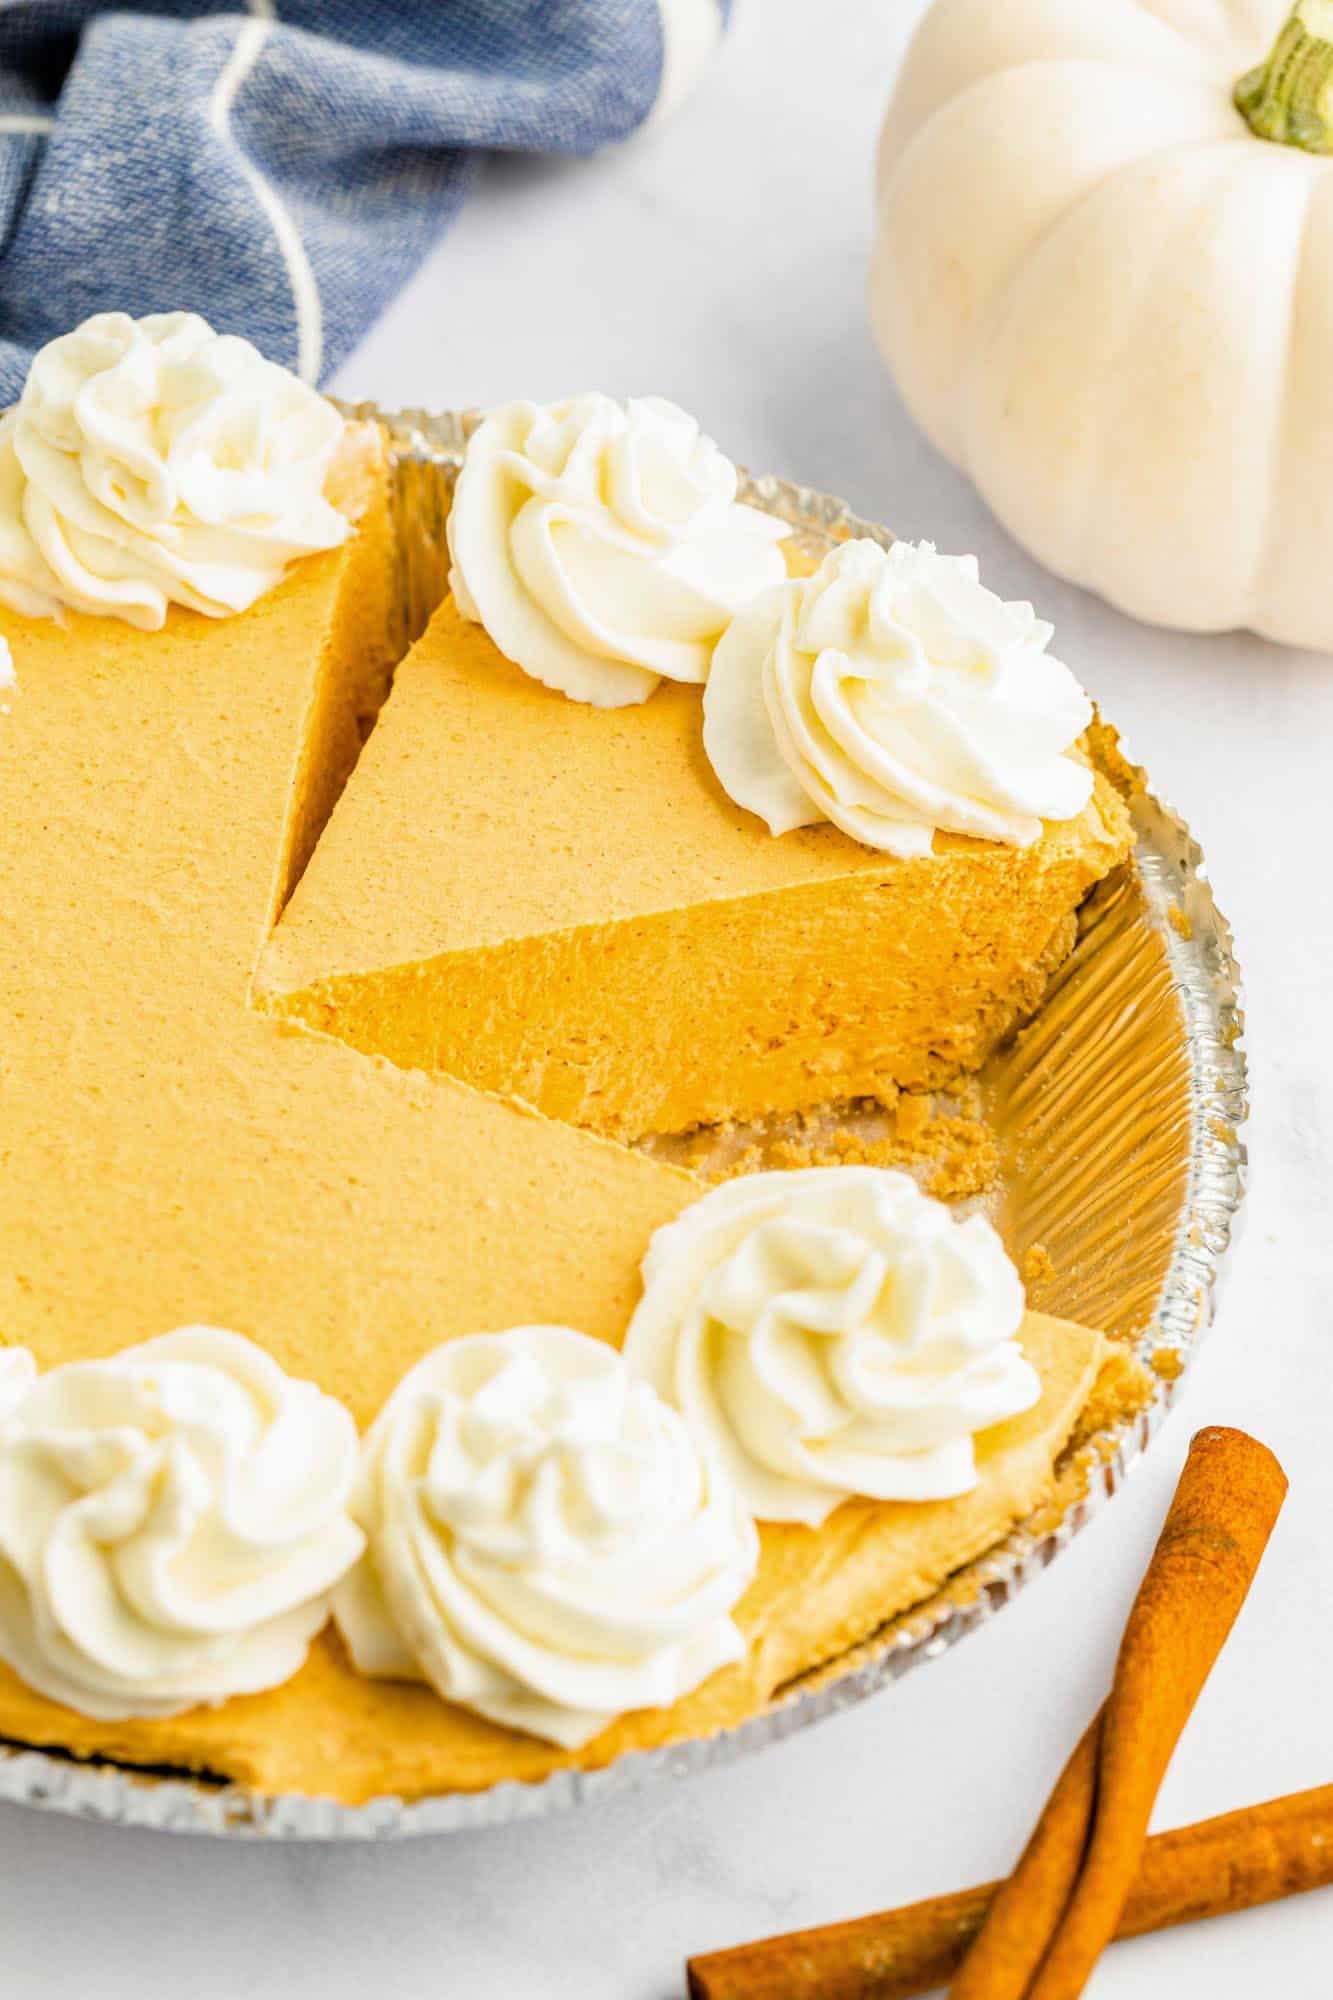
(1289, 98)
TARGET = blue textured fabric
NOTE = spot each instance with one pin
(281, 171)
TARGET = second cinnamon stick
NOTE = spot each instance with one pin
(1234, 1862)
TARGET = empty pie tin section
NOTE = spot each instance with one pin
(1117, 1114)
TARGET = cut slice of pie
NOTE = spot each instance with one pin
(559, 901)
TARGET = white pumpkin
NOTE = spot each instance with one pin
(1111, 302)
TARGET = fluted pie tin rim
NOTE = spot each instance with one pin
(1174, 916)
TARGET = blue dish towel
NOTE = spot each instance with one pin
(283, 170)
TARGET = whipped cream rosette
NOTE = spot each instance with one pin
(547, 1545)
(152, 462)
(172, 1520)
(601, 544)
(833, 1331)
(896, 696)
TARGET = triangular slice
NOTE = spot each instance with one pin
(560, 901)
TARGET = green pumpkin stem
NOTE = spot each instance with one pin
(1289, 98)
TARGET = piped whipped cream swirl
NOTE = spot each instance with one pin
(896, 696)
(172, 1521)
(602, 545)
(152, 462)
(829, 1332)
(546, 1544)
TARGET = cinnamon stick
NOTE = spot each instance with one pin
(1215, 1534)
(1044, 1928)
(1234, 1862)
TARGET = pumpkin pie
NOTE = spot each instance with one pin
(507, 898)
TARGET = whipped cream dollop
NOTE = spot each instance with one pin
(172, 1521)
(832, 1331)
(152, 462)
(546, 1544)
(896, 696)
(8, 678)
(602, 546)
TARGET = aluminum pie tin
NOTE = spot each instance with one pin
(1118, 1115)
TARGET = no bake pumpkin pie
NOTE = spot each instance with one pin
(515, 893)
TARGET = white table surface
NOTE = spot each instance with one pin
(720, 260)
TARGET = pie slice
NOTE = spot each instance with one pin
(559, 901)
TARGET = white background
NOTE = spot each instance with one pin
(720, 260)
